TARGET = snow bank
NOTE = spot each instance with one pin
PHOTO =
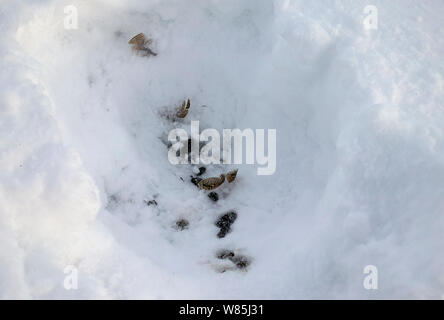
(359, 163)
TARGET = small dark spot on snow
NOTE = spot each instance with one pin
(223, 232)
(213, 196)
(224, 223)
(227, 219)
(151, 202)
(241, 262)
(201, 171)
(195, 181)
(113, 198)
(182, 224)
(224, 254)
(113, 201)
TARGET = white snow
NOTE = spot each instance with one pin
(360, 148)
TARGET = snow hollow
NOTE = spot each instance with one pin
(86, 185)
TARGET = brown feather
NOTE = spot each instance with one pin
(183, 110)
(231, 176)
(212, 183)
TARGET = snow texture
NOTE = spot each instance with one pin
(360, 149)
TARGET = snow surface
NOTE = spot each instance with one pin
(360, 148)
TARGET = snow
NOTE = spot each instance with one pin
(360, 149)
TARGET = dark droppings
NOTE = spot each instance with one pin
(151, 202)
(195, 181)
(224, 254)
(241, 262)
(226, 220)
(224, 223)
(213, 196)
(223, 232)
(201, 171)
